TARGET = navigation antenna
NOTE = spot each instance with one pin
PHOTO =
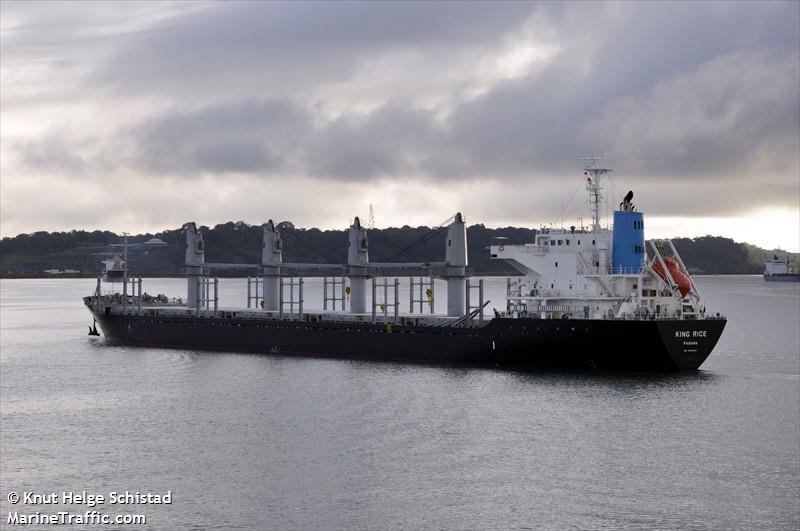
(371, 217)
(594, 186)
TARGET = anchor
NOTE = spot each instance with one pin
(93, 329)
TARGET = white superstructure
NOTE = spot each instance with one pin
(779, 266)
(582, 272)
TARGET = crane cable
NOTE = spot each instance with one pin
(414, 245)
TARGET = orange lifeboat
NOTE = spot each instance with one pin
(677, 272)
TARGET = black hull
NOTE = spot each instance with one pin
(783, 277)
(662, 345)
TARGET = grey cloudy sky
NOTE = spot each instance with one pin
(140, 116)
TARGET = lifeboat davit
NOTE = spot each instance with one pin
(678, 274)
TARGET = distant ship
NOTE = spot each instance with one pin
(589, 297)
(113, 269)
(780, 270)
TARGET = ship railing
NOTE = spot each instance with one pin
(580, 313)
(314, 316)
(608, 271)
(550, 311)
(146, 300)
(667, 317)
(520, 310)
(530, 248)
(536, 249)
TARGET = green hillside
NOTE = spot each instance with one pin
(30, 255)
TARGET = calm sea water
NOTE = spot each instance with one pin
(258, 442)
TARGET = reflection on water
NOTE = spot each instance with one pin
(255, 441)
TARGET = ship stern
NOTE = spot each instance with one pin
(690, 342)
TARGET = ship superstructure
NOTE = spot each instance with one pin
(113, 269)
(589, 297)
(781, 270)
(600, 272)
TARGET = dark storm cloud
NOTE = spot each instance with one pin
(53, 152)
(243, 137)
(717, 119)
(259, 138)
(232, 44)
(694, 91)
(666, 88)
(393, 141)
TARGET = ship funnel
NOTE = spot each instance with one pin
(628, 251)
(626, 205)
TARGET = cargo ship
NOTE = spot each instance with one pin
(596, 297)
(780, 270)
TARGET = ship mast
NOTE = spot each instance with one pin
(125, 271)
(594, 186)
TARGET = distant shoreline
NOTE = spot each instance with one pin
(78, 254)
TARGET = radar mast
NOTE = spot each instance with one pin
(594, 173)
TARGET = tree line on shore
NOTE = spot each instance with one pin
(30, 255)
